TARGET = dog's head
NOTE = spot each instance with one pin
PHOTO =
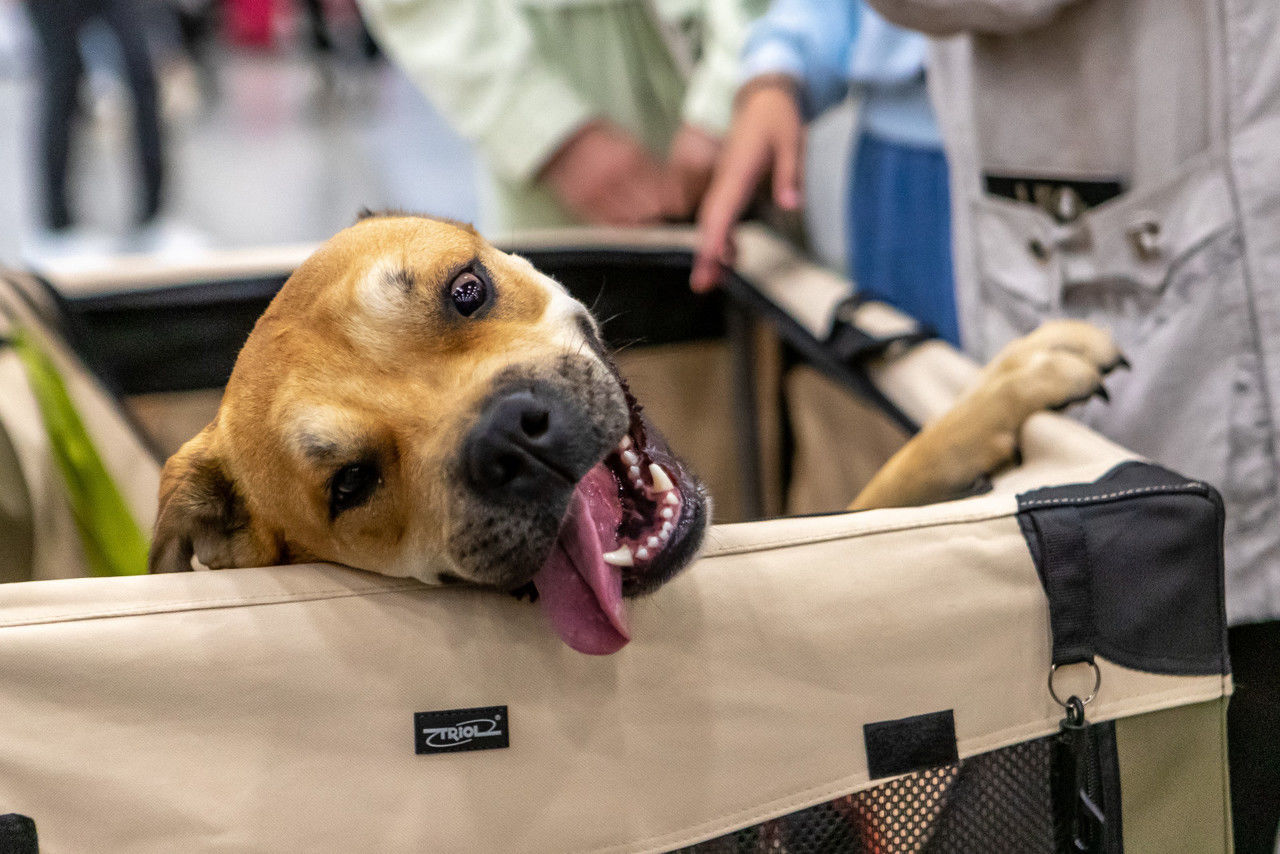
(417, 403)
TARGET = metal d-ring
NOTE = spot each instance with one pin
(1097, 683)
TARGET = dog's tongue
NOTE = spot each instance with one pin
(580, 593)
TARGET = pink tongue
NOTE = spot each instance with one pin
(580, 593)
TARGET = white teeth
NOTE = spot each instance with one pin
(630, 457)
(625, 443)
(667, 528)
(664, 536)
(620, 557)
(661, 482)
(642, 553)
(654, 542)
(634, 471)
(672, 499)
(668, 513)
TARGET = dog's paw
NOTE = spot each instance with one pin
(1053, 380)
(1091, 343)
(1060, 363)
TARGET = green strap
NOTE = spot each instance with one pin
(113, 542)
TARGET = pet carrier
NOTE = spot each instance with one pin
(1037, 667)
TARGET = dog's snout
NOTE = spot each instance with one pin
(527, 444)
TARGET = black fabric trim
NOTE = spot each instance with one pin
(1132, 566)
(18, 835)
(910, 744)
(179, 338)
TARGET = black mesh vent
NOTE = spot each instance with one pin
(995, 802)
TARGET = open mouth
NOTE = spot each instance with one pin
(635, 519)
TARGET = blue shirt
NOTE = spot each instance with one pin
(831, 45)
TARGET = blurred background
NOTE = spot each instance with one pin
(269, 137)
(279, 122)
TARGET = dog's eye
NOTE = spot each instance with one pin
(468, 292)
(352, 485)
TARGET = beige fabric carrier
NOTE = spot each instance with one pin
(877, 681)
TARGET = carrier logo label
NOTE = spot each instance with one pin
(452, 730)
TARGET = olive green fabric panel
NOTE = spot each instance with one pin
(1173, 763)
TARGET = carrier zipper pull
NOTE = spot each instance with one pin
(1081, 823)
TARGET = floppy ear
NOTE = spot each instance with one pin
(203, 514)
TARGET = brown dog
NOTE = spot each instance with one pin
(417, 403)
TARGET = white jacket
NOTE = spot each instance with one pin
(1170, 113)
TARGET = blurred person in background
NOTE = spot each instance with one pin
(799, 60)
(58, 25)
(597, 111)
(321, 35)
(196, 22)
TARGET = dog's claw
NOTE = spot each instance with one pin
(1121, 363)
(1102, 393)
(1067, 404)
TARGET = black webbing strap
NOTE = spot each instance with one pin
(1064, 566)
(853, 345)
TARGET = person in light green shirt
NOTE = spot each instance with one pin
(583, 111)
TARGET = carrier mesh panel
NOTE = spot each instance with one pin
(997, 801)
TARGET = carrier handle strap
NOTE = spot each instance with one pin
(853, 345)
(1065, 570)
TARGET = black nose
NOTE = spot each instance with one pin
(528, 444)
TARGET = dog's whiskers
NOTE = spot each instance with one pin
(599, 295)
(611, 318)
(627, 345)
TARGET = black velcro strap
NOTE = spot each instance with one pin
(910, 744)
(18, 835)
(1064, 565)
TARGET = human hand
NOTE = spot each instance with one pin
(604, 176)
(767, 133)
(691, 163)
